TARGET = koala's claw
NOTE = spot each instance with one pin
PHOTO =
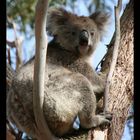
(106, 121)
(105, 124)
(107, 115)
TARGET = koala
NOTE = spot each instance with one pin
(72, 84)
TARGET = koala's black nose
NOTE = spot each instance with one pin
(83, 37)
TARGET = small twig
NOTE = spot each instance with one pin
(10, 128)
(115, 52)
(130, 116)
(16, 44)
(11, 44)
(108, 46)
(19, 135)
(100, 62)
(9, 56)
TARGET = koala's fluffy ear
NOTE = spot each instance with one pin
(101, 19)
(57, 17)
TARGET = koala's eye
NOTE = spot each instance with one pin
(92, 33)
(73, 33)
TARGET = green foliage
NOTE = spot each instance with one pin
(22, 11)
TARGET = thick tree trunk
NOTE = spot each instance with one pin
(121, 90)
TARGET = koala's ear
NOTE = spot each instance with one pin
(56, 18)
(101, 19)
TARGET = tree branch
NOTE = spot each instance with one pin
(11, 44)
(9, 56)
(17, 44)
(115, 52)
(42, 129)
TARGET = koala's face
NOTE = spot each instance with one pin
(78, 34)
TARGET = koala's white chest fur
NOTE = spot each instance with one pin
(89, 60)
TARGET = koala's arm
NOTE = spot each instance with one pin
(84, 68)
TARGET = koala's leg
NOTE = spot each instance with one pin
(89, 119)
(93, 121)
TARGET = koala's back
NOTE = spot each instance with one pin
(65, 96)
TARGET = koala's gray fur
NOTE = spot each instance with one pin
(70, 90)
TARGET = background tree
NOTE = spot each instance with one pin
(121, 91)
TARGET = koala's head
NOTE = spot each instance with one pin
(78, 34)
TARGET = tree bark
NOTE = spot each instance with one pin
(121, 89)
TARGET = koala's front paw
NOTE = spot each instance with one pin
(106, 121)
(107, 115)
